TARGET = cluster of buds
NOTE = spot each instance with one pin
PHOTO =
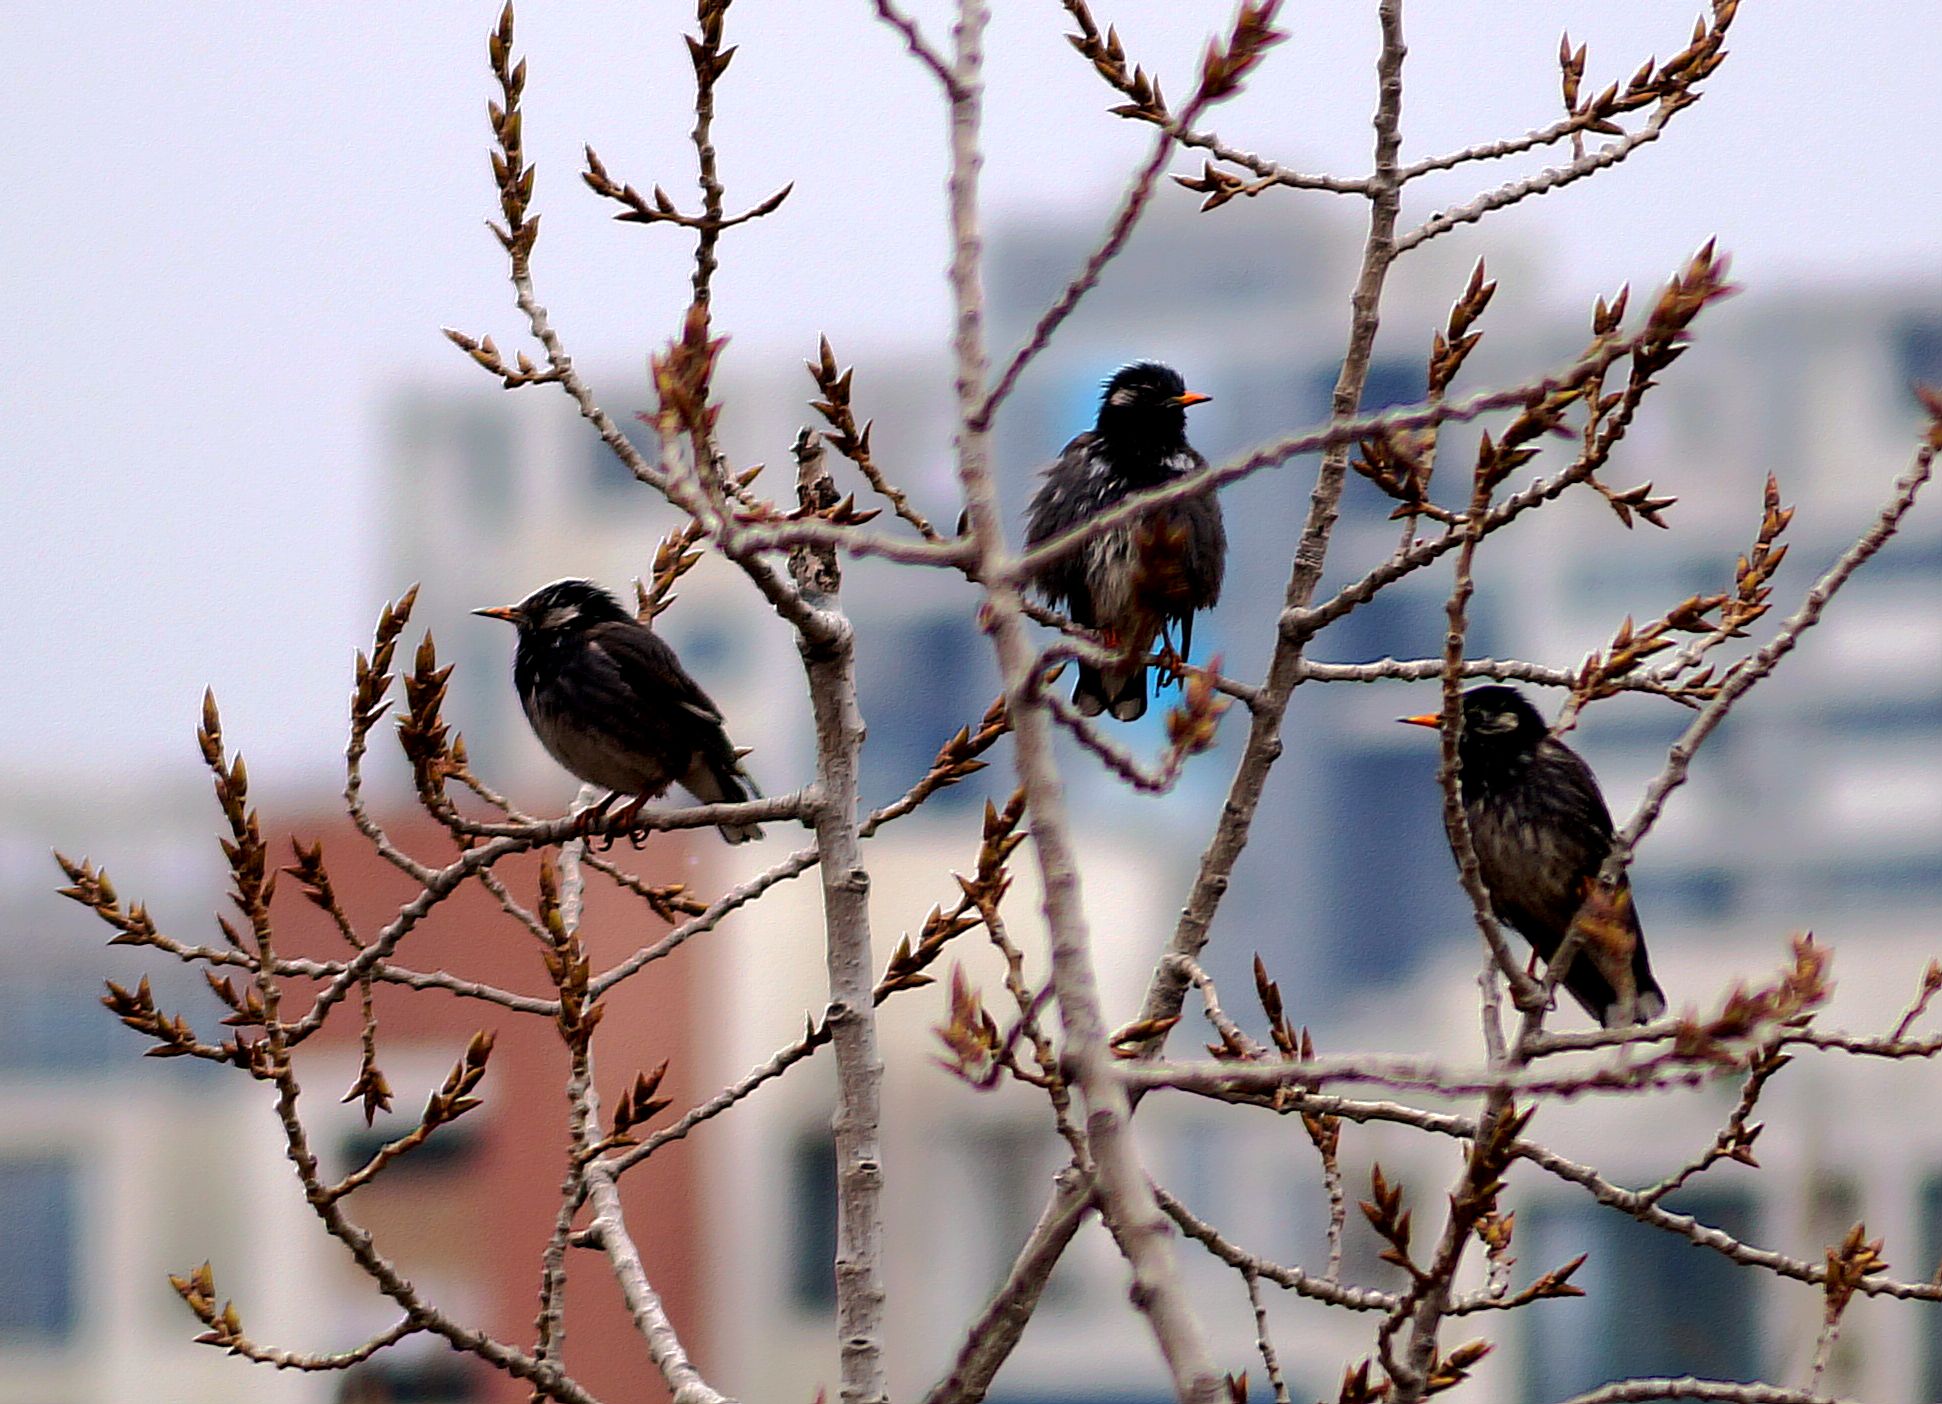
(1400, 462)
(1192, 724)
(1661, 342)
(1848, 1264)
(845, 436)
(959, 758)
(682, 375)
(1544, 415)
(660, 209)
(1108, 56)
(1490, 1155)
(1671, 83)
(1747, 1014)
(197, 1289)
(90, 887)
(1225, 65)
(422, 733)
(567, 965)
(1667, 329)
(371, 690)
(979, 896)
(638, 209)
(1223, 68)
(673, 558)
(523, 370)
(454, 1097)
(637, 1106)
(509, 169)
(1452, 346)
(1359, 1388)
(1220, 186)
(252, 884)
(969, 1034)
(1386, 1215)
(1451, 1370)
(174, 1038)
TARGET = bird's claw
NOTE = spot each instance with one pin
(594, 824)
(1170, 667)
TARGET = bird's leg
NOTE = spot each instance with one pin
(588, 820)
(1168, 663)
(1532, 974)
(627, 822)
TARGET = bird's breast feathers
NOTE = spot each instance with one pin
(592, 753)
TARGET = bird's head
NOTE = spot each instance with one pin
(1145, 406)
(1499, 723)
(563, 606)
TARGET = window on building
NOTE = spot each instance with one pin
(48, 1020)
(1918, 354)
(1399, 622)
(1655, 1304)
(708, 647)
(433, 1380)
(1386, 817)
(1695, 894)
(39, 1249)
(920, 681)
(1391, 382)
(452, 1146)
(812, 1213)
(1014, 1162)
(1873, 884)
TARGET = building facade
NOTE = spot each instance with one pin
(1819, 806)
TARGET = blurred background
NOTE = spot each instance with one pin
(231, 430)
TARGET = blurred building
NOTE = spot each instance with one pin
(466, 1215)
(117, 1172)
(1819, 806)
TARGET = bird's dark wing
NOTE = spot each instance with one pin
(1073, 488)
(1201, 563)
(1539, 842)
(1547, 882)
(670, 703)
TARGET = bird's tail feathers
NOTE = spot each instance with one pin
(1612, 1007)
(724, 782)
(1122, 691)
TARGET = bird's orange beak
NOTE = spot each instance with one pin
(505, 612)
(1190, 398)
(1430, 719)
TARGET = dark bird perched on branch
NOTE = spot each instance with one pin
(1137, 580)
(609, 701)
(1541, 832)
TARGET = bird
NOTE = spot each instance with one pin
(1138, 580)
(609, 701)
(1541, 832)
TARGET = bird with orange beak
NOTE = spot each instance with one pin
(1137, 582)
(1541, 832)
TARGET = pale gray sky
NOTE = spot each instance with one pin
(233, 226)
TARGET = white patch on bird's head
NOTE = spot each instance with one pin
(1493, 723)
(1124, 395)
(559, 616)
